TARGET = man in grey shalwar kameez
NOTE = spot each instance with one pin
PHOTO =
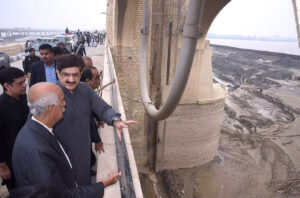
(74, 129)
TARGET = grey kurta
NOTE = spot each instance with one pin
(73, 131)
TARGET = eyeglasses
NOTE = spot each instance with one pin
(75, 75)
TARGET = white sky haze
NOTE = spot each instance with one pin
(57, 14)
(266, 18)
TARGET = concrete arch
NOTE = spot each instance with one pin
(124, 22)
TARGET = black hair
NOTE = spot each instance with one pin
(69, 60)
(57, 51)
(33, 192)
(86, 74)
(46, 46)
(31, 49)
(9, 74)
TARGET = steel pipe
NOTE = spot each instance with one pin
(191, 33)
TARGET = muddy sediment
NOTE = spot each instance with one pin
(260, 136)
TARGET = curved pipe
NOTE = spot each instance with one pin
(191, 33)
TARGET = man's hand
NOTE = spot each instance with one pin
(4, 171)
(100, 123)
(99, 147)
(112, 178)
(120, 125)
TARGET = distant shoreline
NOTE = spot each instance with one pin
(219, 45)
(250, 38)
(270, 46)
(258, 52)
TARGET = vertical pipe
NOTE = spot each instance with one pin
(169, 53)
(191, 33)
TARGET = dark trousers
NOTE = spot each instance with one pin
(93, 158)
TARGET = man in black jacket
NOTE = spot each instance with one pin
(39, 157)
(31, 58)
(63, 48)
(13, 115)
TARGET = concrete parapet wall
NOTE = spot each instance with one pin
(107, 161)
(13, 49)
(126, 64)
(190, 136)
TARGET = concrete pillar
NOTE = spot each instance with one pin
(190, 136)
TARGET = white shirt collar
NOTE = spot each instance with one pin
(49, 129)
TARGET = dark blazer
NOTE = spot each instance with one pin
(38, 73)
(39, 160)
(28, 61)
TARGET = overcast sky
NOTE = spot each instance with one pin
(48, 14)
(240, 17)
(256, 17)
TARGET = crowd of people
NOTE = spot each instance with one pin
(46, 135)
(91, 38)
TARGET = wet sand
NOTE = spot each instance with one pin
(259, 152)
(261, 121)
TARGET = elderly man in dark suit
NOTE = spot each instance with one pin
(38, 156)
(44, 71)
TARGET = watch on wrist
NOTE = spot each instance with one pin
(116, 119)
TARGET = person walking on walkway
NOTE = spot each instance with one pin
(79, 49)
(31, 58)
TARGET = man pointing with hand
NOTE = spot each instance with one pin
(73, 131)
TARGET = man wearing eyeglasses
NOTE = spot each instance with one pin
(74, 130)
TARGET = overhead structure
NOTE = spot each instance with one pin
(176, 78)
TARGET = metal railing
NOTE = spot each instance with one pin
(128, 189)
